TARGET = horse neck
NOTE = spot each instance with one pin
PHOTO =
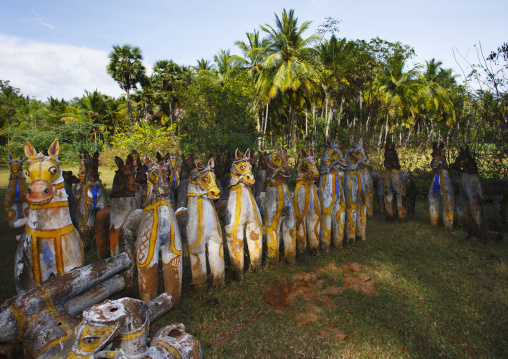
(195, 189)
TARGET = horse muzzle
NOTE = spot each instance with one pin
(40, 192)
(213, 192)
(248, 179)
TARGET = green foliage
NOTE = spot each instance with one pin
(219, 116)
(145, 138)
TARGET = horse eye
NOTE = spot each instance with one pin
(205, 179)
(242, 167)
(52, 169)
(28, 173)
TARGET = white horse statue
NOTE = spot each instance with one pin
(203, 228)
(242, 216)
(307, 207)
(51, 244)
(332, 200)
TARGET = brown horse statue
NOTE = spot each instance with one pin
(123, 201)
(187, 167)
(399, 189)
(16, 205)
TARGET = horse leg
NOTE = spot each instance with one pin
(289, 237)
(434, 204)
(352, 204)
(339, 217)
(389, 204)
(102, 233)
(148, 280)
(23, 266)
(313, 224)
(401, 201)
(380, 193)
(301, 235)
(198, 267)
(234, 228)
(254, 234)
(361, 220)
(369, 194)
(216, 259)
(172, 271)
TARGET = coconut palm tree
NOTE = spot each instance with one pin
(288, 67)
(126, 68)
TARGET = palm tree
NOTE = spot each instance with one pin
(126, 68)
(288, 67)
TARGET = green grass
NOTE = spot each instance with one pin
(440, 294)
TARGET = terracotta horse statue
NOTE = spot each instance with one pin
(70, 180)
(355, 193)
(279, 216)
(158, 235)
(16, 205)
(332, 201)
(134, 160)
(203, 228)
(398, 187)
(242, 217)
(92, 198)
(307, 208)
(50, 244)
(187, 167)
(109, 220)
(441, 192)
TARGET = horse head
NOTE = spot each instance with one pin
(124, 182)
(241, 169)
(204, 177)
(356, 156)
(278, 168)
(438, 161)
(16, 167)
(187, 164)
(263, 161)
(91, 164)
(307, 166)
(157, 177)
(332, 157)
(391, 158)
(43, 171)
(465, 162)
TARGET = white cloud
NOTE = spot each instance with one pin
(38, 19)
(63, 71)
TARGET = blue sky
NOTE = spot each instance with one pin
(59, 48)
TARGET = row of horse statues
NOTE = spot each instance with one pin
(154, 209)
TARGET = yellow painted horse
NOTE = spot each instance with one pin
(279, 213)
(158, 235)
(332, 200)
(355, 191)
(50, 244)
(242, 217)
(203, 227)
(307, 207)
(16, 205)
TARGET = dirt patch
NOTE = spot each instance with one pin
(285, 292)
(332, 333)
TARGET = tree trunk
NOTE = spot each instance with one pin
(340, 111)
(129, 109)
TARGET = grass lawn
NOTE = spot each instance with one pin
(408, 291)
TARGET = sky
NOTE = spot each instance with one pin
(60, 48)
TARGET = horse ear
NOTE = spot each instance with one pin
(336, 143)
(199, 165)
(183, 157)
(360, 143)
(303, 153)
(158, 156)
(10, 157)
(86, 154)
(29, 149)
(211, 163)
(352, 142)
(54, 148)
(328, 143)
(311, 152)
(238, 154)
(21, 158)
(96, 155)
(247, 153)
(393, 145)
(441, 145)
(119, 162)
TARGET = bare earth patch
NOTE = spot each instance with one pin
(310, 288)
